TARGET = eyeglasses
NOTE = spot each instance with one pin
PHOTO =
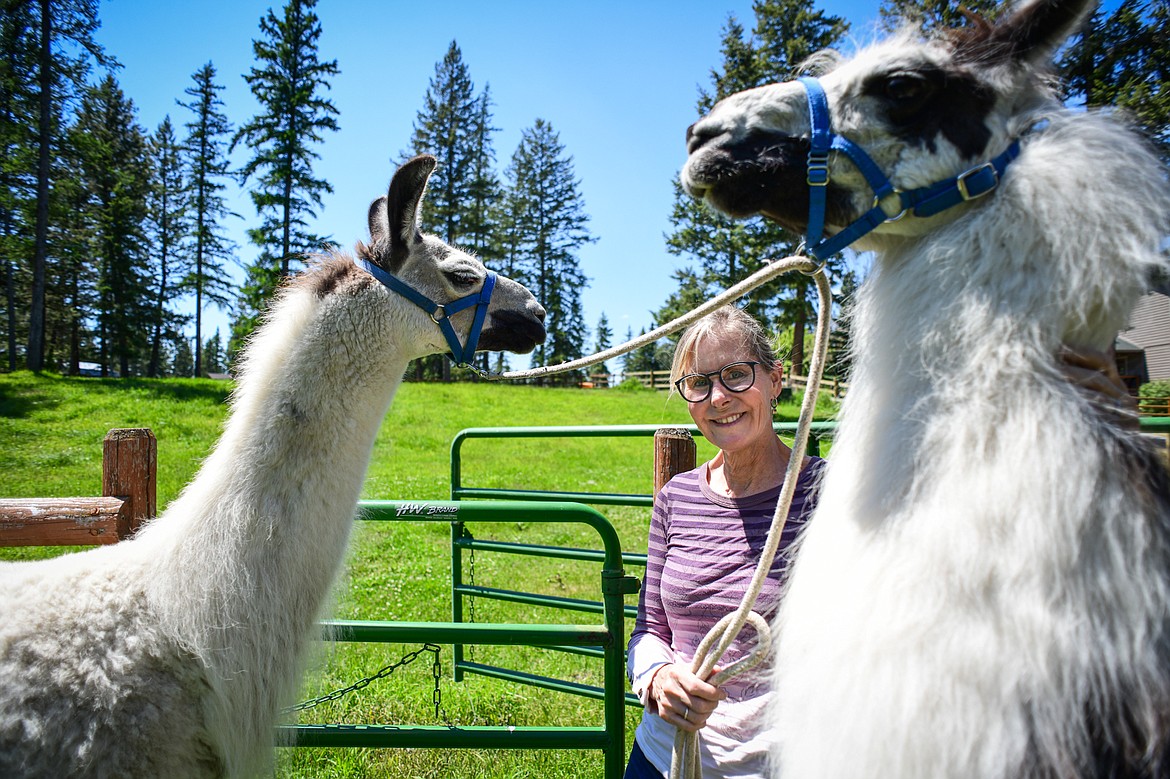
(735, 377)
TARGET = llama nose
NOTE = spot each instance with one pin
(539, 311)
(698, 134)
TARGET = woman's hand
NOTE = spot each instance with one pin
(683, 699)
(1096, 372)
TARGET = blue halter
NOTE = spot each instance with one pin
(924, 201)
(440, 313)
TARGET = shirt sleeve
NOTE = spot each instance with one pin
(650, 643)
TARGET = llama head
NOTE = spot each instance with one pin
(443, 274)
(923, 110)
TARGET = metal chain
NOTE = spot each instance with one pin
(437, 694)
(471, 600)
(406, 659)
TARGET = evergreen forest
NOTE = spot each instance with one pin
(113, 239)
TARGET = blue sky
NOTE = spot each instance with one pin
(617, 80)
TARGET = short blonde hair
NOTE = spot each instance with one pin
(724, 321)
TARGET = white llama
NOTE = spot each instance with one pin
(984, 590)
(170, 654)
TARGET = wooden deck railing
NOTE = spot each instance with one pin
(1154, 407)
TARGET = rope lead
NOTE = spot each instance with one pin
(771, 270)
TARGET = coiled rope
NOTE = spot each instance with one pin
(686, 762)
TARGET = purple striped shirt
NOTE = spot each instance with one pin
(702, 552)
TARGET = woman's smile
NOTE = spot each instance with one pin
(727, 420)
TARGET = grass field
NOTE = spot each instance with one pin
(50, 445)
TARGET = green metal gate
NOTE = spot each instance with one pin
(463, 540)
(606, 639)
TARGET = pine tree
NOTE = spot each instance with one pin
(786, 33)
(1123, 59)
(444, 128)
(456, 127)
(288, 82)
(479, 230)
(65, 26)
(214, 359)
(548, 222)
(183, 362)
(169, 225)
(116, 175)
(71, 289)
(930, 15)
(653, 359)
(602, 339)
(207, 165)
(629, 358)
(691, 293)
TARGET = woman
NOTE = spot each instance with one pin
(706, 532)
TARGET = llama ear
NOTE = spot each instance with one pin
(402, 202)
(1035, 30)
(379, 227)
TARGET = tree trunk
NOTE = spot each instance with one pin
(34, 359)
(156, 340)
(286, 237)
(75, 326)
(798, 327)
(10, 303)
(9, 264)
(104, 352)
(198, 362)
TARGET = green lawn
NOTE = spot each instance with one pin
(50, 445)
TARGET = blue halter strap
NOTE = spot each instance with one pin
(440, 313)
(923, 202)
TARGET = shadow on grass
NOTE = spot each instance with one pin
(25, 393)
(181, 389)
(22, 393)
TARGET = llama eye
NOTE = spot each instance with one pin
(462, 278)
(905, 88)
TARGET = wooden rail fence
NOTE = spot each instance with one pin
(129, 476)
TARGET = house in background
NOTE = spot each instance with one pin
(1143, 348)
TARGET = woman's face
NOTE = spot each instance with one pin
(733, 421)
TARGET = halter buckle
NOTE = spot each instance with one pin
(817, 170)
(439, 314)
(961, 181)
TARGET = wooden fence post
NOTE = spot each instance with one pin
(674, 453)
(129, 471)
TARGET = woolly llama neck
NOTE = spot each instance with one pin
(270, 512)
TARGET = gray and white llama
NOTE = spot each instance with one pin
(984, 590)
(170, 654)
